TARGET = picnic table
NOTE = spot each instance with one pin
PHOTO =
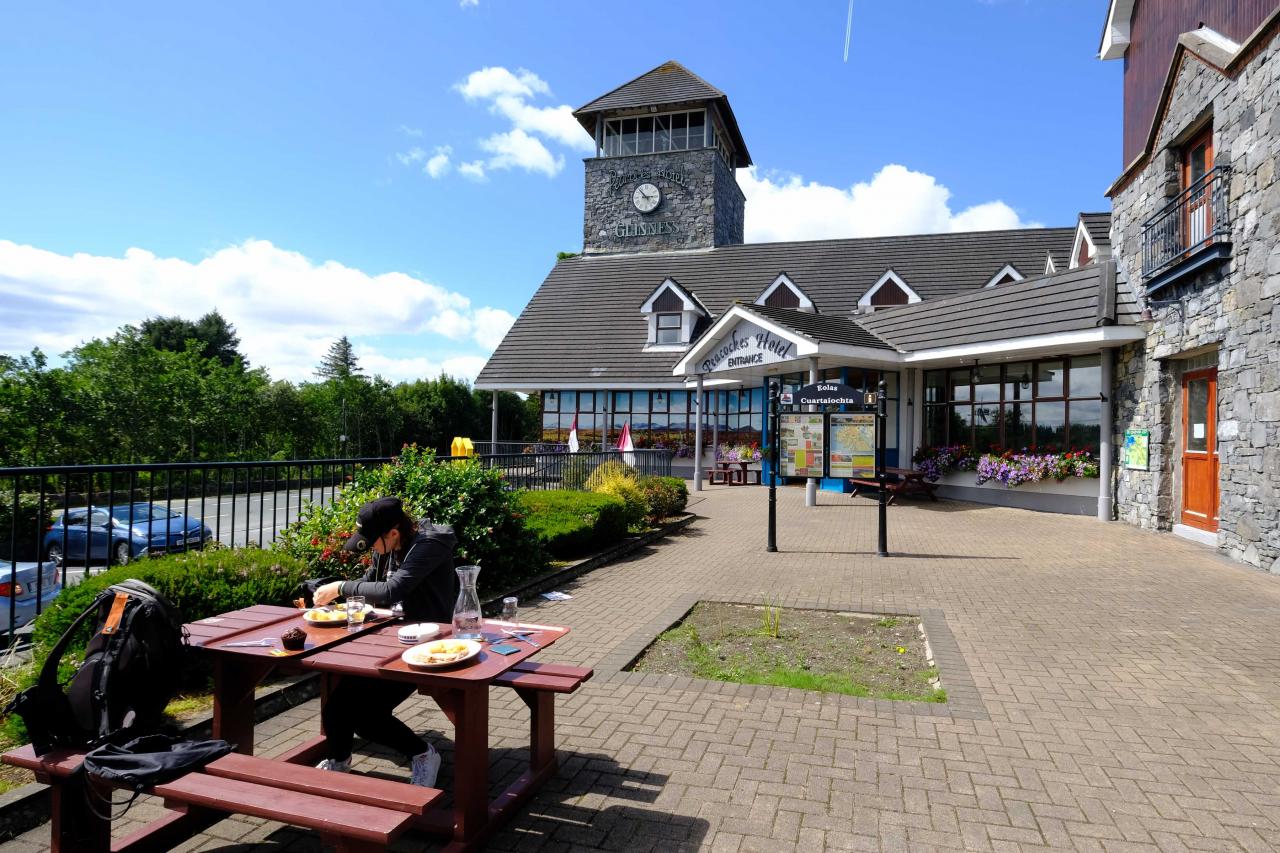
(898, 481)
(732, 474)
(350, 811)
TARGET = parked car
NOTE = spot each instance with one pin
(22, 586)
(155, 529)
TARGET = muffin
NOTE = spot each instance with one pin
(294, 639)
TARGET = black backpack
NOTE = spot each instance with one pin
(130, 672)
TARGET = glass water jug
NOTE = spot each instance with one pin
(466, 613)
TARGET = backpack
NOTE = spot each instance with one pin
(130, 672)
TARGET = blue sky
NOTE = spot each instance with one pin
(271, 159)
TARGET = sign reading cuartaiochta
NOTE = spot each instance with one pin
(828, 394)
(747, 345)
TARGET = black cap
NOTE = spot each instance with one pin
(377, 518)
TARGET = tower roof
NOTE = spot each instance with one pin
(668, 84)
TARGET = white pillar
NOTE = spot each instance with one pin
(493, 427)
(715, 426)
(811, 486)
(1105, 449)
(697, 440)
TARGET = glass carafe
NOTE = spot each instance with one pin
(466, 613)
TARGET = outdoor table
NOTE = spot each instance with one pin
(732, 473)
(374, 652)
(908, 481)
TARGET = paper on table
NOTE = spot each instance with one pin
(556, 596)
(523, 626)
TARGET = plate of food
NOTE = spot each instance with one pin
(324, 616)
(439, 653)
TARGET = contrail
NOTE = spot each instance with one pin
(848, 31)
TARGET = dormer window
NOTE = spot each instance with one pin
(668, 329)
(1009, 273)
(888, 290)
(784, 293)
(1083, 252)
(672, 314)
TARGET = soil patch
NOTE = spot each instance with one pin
(860, 654)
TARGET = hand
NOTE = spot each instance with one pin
(327, 593)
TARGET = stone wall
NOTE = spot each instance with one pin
(1231, 309)
(702, 205)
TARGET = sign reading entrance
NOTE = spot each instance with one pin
(801, 438)
(853, 445)
(747, 345)
(828, 394)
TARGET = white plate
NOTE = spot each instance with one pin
(413, 656)
(418, 633)
(325, 623)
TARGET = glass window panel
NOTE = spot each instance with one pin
(1085, 417)
(891, 383)
(602, 398)
(1086, 376)
(1017, 426)
(586, 401)
(891, 426)
(640, 401)
(586, 422)
(679, 131)
(1048, 379)
(744, 401)
(658, 422)
(1198, 414)
(733, 402)
(757, 423)
(986, 384)
(935, 426)
(678, 401)
(679, 420)
(622, 401)
(629, 136)
(832, 374)
(986, 428)
(935, 386)
(550, 428)
(566, 421)
(757, 400)
(696, 120)
(662, 133)
(619, 420)
(960, 426)
(668, 321)
(959, 382)
(1051, 421)
(612, 139)
(644, 137)
(1017, 381)
(550, 401)
(659, 401)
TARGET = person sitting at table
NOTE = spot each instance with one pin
(412, 565)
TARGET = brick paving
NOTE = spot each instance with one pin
(1111, 690)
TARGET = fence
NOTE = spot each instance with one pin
(1194, 218)
(234, 503)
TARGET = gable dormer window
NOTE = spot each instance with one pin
(672, 314)
(1007, 274)
(889, 290)
(1083, 252)
(784, 293)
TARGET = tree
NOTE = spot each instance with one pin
(215, 337)
(340, 362)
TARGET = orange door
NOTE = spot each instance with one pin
(1199, 449)
(1197, 161)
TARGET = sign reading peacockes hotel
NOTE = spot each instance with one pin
(747, 345)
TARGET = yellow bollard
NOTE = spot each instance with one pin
(468, 447)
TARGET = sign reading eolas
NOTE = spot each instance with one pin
(747, 345)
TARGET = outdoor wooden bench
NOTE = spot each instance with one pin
(550, 677)
(899, 481)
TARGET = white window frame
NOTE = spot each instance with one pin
(691, 309)
(675, 332)
(1082, 233)
(783, 280)
(1007, 269)
(864, 304)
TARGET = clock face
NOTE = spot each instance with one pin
(646, 198)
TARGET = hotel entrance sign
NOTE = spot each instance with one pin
(747, 345)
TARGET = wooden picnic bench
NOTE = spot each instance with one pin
(733, 474)
(905, 481)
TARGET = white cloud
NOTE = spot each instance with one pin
(496, 81)
(413, 155)
(555, 123)
(438, 164)
(896, 200)
(287, 308)
(491, 326)
(473, 170)
(516, 149)
(467, 3)
(410, 131)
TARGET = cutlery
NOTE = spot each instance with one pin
(522, 635)
(265, 641)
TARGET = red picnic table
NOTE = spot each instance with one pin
(351, 811)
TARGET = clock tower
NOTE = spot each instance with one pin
(662, 179)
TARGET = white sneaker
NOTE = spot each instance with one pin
(343, 766)
(426, 766)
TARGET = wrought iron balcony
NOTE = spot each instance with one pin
(1195, 220)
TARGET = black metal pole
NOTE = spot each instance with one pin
(773, 468)
(882, 423)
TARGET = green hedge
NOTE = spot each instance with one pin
(570, 523)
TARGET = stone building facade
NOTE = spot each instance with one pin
(1222, 314)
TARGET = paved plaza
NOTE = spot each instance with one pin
(1112, 689)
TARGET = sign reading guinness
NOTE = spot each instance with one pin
(646, 229)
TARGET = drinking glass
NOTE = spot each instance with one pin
(355, 611)
(510, 606)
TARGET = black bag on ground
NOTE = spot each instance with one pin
(131, 670)
(145, 762)
(307, 590)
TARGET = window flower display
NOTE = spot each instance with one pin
(1010, 468)
(738, 452)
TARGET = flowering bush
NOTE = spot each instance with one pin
(1013, 469)
(738, 452)
(933, 462)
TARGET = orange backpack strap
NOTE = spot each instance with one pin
(116, 614)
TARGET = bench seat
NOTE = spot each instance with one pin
(552, 677)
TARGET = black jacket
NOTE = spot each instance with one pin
(421, 579)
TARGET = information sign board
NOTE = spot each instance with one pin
(1137, 449)
(852, 450)
(801, 439)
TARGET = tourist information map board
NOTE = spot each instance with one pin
(853, 445)
(801, 438)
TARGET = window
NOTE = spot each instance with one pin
(1049, 406)
(668, 329)
(889, 289)
(654, 134)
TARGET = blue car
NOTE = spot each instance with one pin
(155, 530)
(22, 587)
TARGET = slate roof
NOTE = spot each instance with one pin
(583, 325)
(1062, 302)
(829, 328)
(1099, 227)
(669, 83)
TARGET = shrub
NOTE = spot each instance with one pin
(461, 493)
(569, 523)
(663, 497)
(606, 471)
(624, 487)
(574, 471)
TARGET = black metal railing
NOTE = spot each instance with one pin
(1197, 217)
(241, 504)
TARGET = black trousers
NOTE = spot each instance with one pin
(364, 706)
